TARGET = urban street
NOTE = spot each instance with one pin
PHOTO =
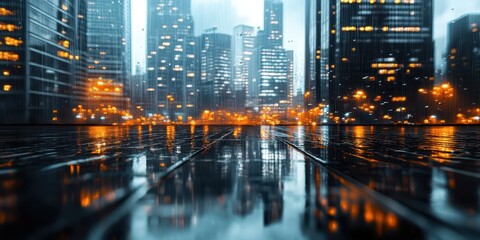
(239, 182)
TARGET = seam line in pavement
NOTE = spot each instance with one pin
(99, 231)
(401, 210)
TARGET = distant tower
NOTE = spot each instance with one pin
(463, 68)
(108, 66)
(138, 93)
(242, 54)
(216, 71)
(171, 60)
(290, 75)
(273, 23)
(272, 60)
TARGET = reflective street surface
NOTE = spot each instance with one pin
(202, 182)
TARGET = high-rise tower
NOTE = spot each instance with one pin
(373, 59)
(216, 71)
(313, 15)
(273, 23)
(463, 68)
(272, 60)
(107, 59)
(40, 51)
(171, 60)
(242, 54)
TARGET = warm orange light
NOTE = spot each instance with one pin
(65, 43)
(9, 41)
(8, 27)
(63, 54)
(5, 12)
(9, 56)
(7, 88)
(333, 226)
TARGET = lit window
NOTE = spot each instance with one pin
(7, 88)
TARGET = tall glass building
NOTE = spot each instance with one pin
(273, 23)
(290, 76)
(463, 68)
(171, 60)
(215, 83)
(242, 55)
(107, 97)
(375, 59)
(312, 53)
(272, 60)
(39, 56)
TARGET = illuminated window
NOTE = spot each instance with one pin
(13, 42)
(9, 56)
(5, 12)
(7, 88)
(8, 27)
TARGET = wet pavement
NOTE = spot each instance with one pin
(239, 182)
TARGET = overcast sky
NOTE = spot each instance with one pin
(225, 14)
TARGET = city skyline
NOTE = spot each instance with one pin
(86, 73)
(249, 12)
(214, 138)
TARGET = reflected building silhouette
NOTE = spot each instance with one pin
(245, 174)
(337, 211)
(464, 193)
(260, 177)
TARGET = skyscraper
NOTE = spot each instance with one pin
(171, 60)
(107, 59)
(215, 83)
(290, 76)
(39, 54)
(138, 93)
(273, 23)
(313, 27)
(463, 68)
(242, 54)
(376, 57)
(273, 62)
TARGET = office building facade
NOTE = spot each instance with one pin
(463, 68)
(375, 59)
(39, 55)
(242, 55)
(171, 60)
(290, 76)
(107, 99)
(312, 54)
(273, 63)
(215, 82)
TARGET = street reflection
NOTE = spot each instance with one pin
(336, 210)
(66, 175)
(433, 170)
(60, 182)
(255, 187)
